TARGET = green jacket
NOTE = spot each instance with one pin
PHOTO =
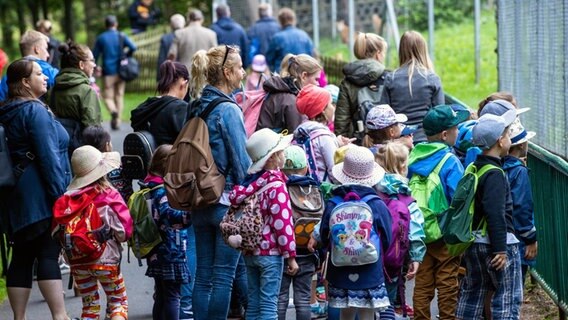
(358, 74)
(72, 97)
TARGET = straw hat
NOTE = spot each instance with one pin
(359, 167)
(262, 144)
(89, 165)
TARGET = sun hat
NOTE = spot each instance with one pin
(259, 63)
(89, 165)
(294, 158)
(382, 116)
(441, 118)
(490, 128)
(312, 100)
(262, 144)
(518, 133)
(358, 167)
(499, 107)
(334, 91)
(408, 129)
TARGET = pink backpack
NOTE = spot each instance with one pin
(251, 103)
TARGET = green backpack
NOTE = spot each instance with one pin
(145, 234)
(456, 222)
(431, 199)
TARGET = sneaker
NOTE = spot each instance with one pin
(114, 122)
(319, 310)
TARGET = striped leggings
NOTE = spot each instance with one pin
(87, 281)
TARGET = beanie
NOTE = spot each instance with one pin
(312, 100)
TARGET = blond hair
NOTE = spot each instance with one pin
(368, 44)
(294, 65)
(29, 40)
(102, 184)
(413, 52)
(207, 67)
(393, 157)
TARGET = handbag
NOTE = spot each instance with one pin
(128, 68)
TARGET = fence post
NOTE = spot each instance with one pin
(315, 25)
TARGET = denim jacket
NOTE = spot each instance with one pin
(227, 137)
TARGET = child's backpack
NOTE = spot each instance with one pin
(241, 226)
(354, 241)
(307, 209)
(456, 222)
(192, 179)
(145, 233)
(76, 224)
(305, 139)
(367, 98)
(251, 103)
(431, 199)
(138, 148)
(396, 253)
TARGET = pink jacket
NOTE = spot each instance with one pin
(278, 231)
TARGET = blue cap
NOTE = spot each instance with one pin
(408, 130)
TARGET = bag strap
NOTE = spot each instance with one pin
(440, 164)
(121, 43)
(212, 105)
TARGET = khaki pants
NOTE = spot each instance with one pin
(439, 270)
(113, 94)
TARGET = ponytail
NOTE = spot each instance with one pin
(199, 65)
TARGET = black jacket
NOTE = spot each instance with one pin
(163, 117)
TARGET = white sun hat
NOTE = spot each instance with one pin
(89, 165)
(358, 167)
(264, 143)
(518, 134)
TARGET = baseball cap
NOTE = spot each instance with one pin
(441, 118)
(408, 129)
(295, 158)
(499, 107)
(518, 133)
(382, 116)
(490, 128)
(259, 63)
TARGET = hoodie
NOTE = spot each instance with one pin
(229, 32)
(163, 117)
(394, 184)
(278, 227)
(279, 110)
(323, 145)
(358, 74)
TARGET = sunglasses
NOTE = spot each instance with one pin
(228, 49)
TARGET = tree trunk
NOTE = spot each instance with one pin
(68, 20)
(21, 17)
(44, 9)
(93, 20)
(34, 9)
(7, 29)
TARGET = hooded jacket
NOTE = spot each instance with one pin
(279, 110)
(163, 117)
(229, 32)
(323, 147)
(288, 40)
(260, 34)
(358, 74)
(277, 234)
(73, 98)
(364, 276)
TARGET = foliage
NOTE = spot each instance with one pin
(413, 14)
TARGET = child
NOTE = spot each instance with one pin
(99, 138)
(434, 162)
(296, 169)
(464, 148)
(334, 91)
(259, 73)
(383, 125)
(357, 289)
(167, 264)
(91, 167)
(393, 158)
(407, 136)
(265, 264)
(523, 210)
(493, 260)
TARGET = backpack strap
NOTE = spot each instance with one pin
(370, 197)
(440, 164)
(212, 105)
(479, 173)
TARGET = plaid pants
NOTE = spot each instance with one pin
(111, 280)
(482, 278)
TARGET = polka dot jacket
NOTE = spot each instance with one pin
(278, 230)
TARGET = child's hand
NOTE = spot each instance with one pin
(312, 244)
(531, 251)
(412, 270)
(292, 267)
(342, 141)
(499, 261)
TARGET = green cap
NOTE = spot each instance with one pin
(441, 118)
(295, 158)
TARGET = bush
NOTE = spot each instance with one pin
(413, 14)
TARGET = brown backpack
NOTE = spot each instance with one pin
(307, 210)
(192, 180)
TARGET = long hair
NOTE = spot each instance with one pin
(207, 67)
(500, 95)
(17, 71)
(368, 44)
(158, 163)
(413, 52)
(294, 65)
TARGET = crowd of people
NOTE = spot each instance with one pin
(383, 151)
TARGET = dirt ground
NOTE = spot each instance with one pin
(537, 304)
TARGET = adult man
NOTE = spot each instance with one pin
(289, 40)
(177, 21)
(33, 46)
(262, 31)
(142, 14)
(110, 44)
(189, 40)
(44, 26)
(229, 32)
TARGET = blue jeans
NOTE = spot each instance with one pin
(240, 286)
(216, 264)
(302, 284)
(185, 306)
(264, 277)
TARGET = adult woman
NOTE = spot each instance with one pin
(368, 71)
(413, 88)
(221, 68)
(38, 148)
(73, 100)
(279, 109)
(164, 116)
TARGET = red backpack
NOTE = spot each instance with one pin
(75, 217)
(251, 103)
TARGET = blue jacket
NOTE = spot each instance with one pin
(426, 156)
(108, 45)
(30, 127)
(369, 275)
(260, 34)
(49, 71)
(227, 137)
(231, 33)
(288, 40)
(165, 44)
